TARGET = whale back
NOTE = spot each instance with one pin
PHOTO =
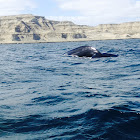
(85, 51)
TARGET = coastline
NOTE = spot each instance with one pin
(62, 41)
(25, 29)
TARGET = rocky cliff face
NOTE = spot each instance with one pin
(35, 29)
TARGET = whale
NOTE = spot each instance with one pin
(89, 51)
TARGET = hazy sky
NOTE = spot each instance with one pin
(89, 12)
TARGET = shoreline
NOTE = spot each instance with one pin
(63, 41)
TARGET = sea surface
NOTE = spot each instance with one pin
(46, 95)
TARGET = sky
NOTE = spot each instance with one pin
(83, 12)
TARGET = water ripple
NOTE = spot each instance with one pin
(47, 95)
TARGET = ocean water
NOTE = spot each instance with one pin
(46, 95)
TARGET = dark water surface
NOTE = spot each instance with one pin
(47, 95)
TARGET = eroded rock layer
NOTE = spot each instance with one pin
(35, 29)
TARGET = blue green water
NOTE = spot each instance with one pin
(45, 94)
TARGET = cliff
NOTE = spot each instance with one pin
(35, 29)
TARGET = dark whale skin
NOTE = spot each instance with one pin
(88, 51)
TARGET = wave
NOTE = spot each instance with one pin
(116, 123)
